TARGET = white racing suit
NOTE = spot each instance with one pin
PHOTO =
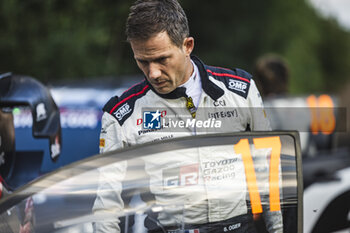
(230, 102)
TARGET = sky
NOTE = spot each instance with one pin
(338, 9)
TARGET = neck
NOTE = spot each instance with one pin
(188, 71)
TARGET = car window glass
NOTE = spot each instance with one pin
(179, 185)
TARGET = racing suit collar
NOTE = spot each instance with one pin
(208, 86)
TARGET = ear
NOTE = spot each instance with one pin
(188, 45)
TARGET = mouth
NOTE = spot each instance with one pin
(159, 83)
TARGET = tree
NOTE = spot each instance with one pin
(61, 39)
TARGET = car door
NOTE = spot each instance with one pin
(194, 184)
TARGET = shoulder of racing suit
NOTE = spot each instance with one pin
(122, 107)
(236, 80)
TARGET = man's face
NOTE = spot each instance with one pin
(165, 65)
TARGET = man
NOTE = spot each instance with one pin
(271, 74)
(178, 83)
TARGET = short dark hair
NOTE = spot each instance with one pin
(150, 17)
(271, 74)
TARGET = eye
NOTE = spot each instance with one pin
(142, 62)
(162, 60)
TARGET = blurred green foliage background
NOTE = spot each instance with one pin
(62, 39)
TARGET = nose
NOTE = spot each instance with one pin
(154, 71)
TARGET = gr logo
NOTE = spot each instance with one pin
(237, 85)
(181, 176)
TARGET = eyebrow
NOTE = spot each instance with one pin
(154, 59)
